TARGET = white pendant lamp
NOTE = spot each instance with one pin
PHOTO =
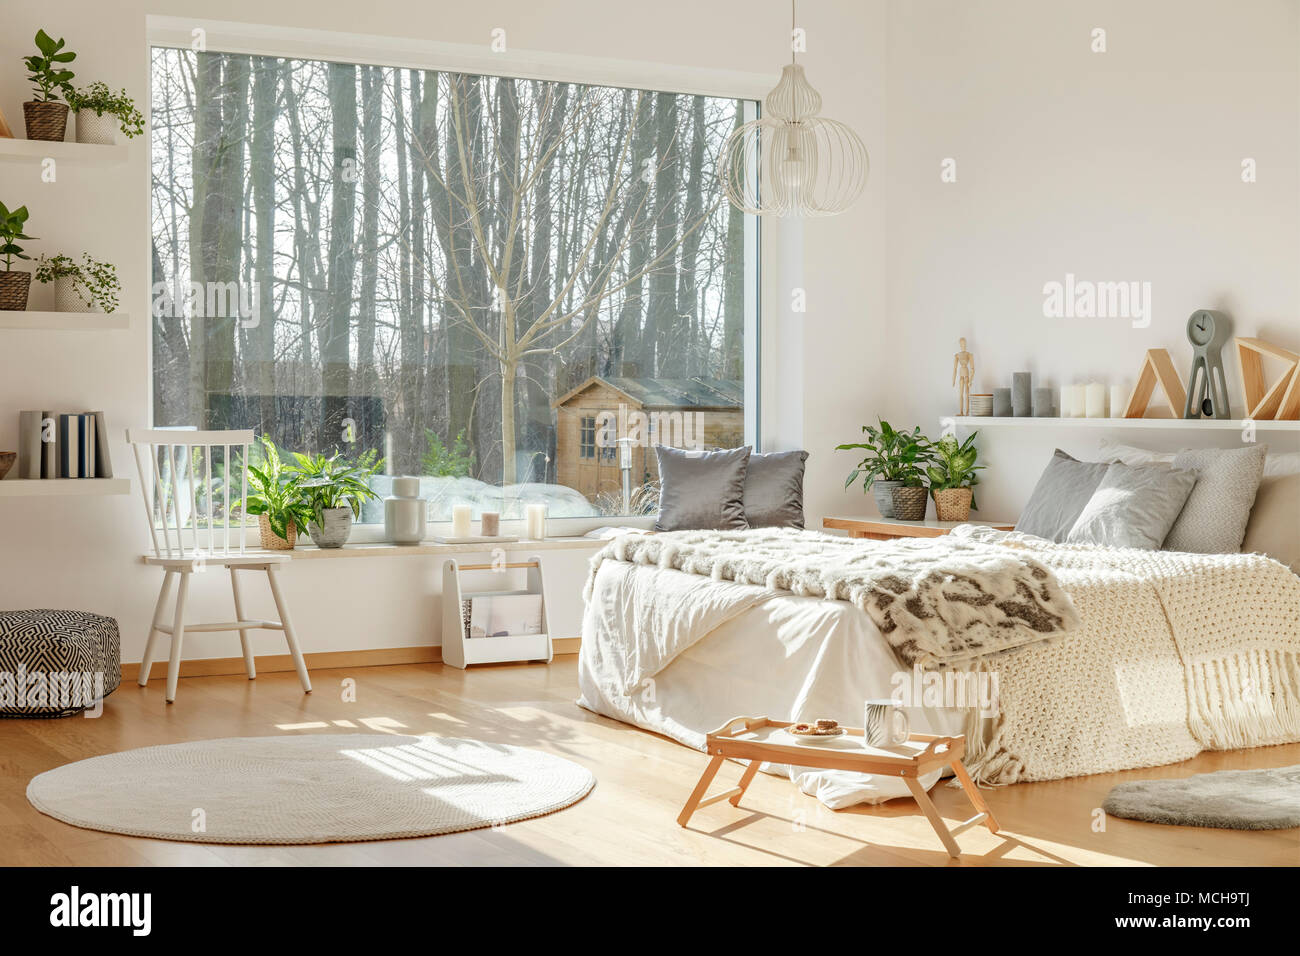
(791, 161)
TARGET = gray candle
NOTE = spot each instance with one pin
(1021, 397)
(1043, 403)
(490, 524)
(1001, 403)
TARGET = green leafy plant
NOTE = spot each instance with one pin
(100, 99)
(953, 465)
(443, 461)
(275, 490)
(11, 229)
(46, 73)
(892, 455)
(335, 482)
(92, 278)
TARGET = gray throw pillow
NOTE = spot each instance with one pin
(774, 489)
(1214, 519)
(702, 490)
(1133, 507)
(1063, 491)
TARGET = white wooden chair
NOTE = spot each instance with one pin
(174, 465)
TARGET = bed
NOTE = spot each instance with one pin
(1159, 656)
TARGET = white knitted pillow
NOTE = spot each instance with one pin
(1214, 519)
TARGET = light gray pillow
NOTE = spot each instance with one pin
(1133, 507)
(1215, 516)
(702, 490)
(774, 489)
(1063, 491)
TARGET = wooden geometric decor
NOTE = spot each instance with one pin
(1157, 368)
(1281, 400)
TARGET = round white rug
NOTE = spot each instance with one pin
(309, 788)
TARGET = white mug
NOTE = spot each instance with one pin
(884, 724)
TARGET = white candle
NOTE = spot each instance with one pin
(1118, 401)
(1095, 400)
(1072, 401)
(460, 518)
(535, 523)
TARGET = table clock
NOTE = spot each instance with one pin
(1207, 395)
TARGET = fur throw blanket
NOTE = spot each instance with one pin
(940, 602)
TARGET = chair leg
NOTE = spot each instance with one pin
(178, 636)
(146, 663)
(282, 607)
(249, 665)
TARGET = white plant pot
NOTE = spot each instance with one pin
(93, 128)
(69, 296)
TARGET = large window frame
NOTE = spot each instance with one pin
(405, 53)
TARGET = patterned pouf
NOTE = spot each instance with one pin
(56, 663)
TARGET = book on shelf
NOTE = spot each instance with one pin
(63, 445)
(30, 452)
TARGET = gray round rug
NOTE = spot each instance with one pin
(309, 788)
(1228, 799)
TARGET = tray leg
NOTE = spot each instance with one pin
(931, 814)
(973, 794)
(745, 780)
(700, 790)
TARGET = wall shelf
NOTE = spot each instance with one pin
(12, 487)
(64, 321)
(1167, 424)
(35, 150)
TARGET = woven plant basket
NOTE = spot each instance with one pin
(93, 128)
(952, 504)
(272, 541)
(46, 121)
(68, 296)
(909, 503)
(14, 287)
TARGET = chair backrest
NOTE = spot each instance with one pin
(175, 466)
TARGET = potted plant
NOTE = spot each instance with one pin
(45, 116)
(277, 500)
(952, 477)
(99, 110)
(893, 458)
(14, 285)
(91, 286)
(334, 489)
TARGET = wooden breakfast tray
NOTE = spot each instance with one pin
(759, 740)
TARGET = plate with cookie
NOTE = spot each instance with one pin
(815, 732)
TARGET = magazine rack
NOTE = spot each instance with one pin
(458, 650)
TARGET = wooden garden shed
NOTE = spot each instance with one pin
(679, 412)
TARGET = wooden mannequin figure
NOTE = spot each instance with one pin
(963, 373)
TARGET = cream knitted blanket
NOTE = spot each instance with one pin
(1176, 653)
(938, 602)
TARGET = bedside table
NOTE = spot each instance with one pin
(885, 529)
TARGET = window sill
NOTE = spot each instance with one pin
(385, 550)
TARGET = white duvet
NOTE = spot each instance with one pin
(645, 661)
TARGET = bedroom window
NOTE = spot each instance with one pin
(441, 267)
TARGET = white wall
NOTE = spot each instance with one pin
(76, 552)
(1123, 165)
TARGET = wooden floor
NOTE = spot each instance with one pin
(642, 781)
